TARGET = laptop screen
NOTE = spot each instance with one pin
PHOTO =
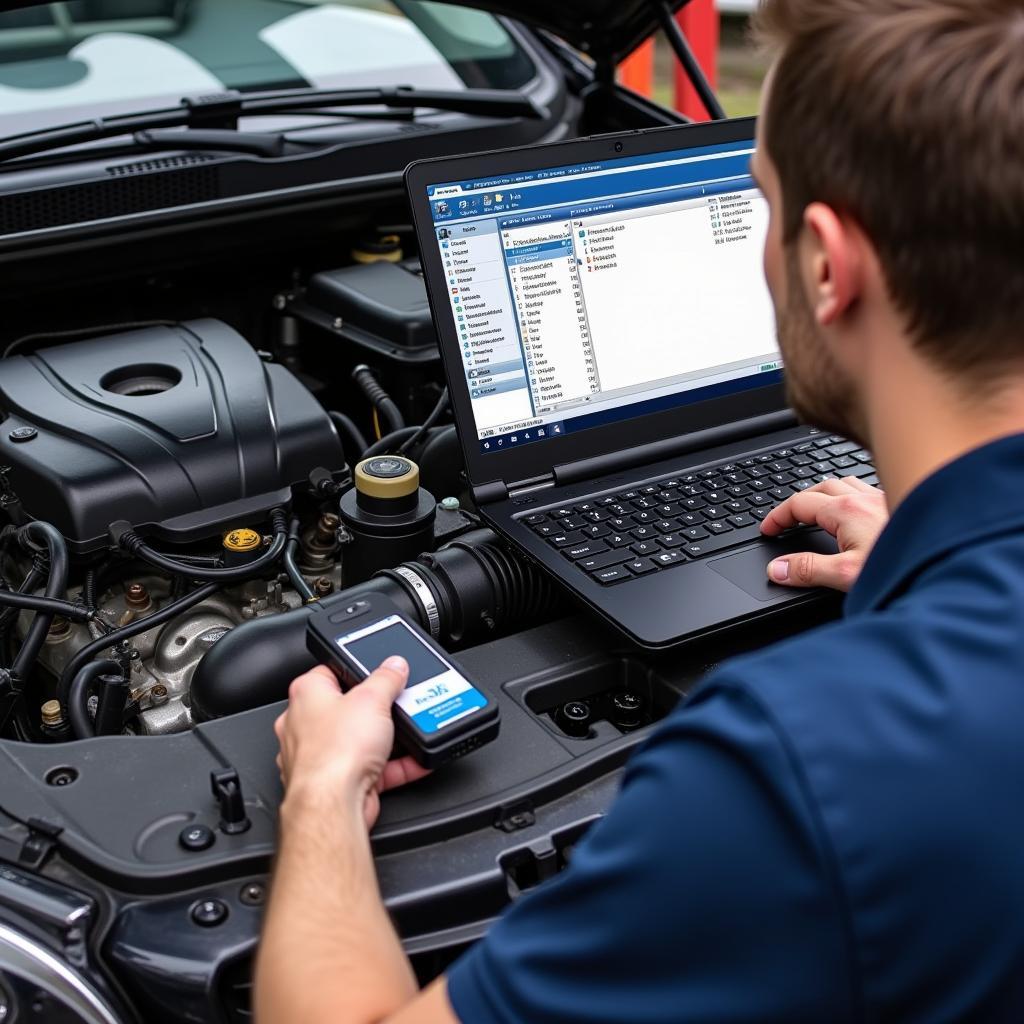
(600, 292)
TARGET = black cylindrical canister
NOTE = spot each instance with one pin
(389, 516)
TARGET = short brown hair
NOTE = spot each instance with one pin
(908, 116)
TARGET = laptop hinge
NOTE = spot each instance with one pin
(493, 490)
(538, 483)
(614, 462)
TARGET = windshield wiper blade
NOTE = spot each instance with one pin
(223, 110)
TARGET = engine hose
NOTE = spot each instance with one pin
(128, 540)
(378, 398)
(75, 612)
(435, 414)
(353, 443)
(117, 636)
(32, 580)
(298, 581)
(78, 695)
(56, 587)
(471, 589)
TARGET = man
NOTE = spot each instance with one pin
(830, 829)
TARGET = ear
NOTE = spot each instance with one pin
(832, 264)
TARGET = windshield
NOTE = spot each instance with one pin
(81, 59)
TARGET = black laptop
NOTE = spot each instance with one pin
(611, 350)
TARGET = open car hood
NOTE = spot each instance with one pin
(601, 28)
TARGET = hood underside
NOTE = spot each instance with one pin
(602, 28)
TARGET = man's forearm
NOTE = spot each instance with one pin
(329, 952)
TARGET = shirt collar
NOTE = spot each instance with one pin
(976, 496)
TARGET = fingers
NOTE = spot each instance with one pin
(806, 569)
(401, 773)
(385, 684)
(809, 508)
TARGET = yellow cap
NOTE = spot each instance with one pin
(242, 540)
(387, 476)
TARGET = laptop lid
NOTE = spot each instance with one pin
(597, 295)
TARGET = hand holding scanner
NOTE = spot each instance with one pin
(440, 715)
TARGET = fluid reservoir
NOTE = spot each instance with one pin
(389, 516)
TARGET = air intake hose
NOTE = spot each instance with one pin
(470, 590)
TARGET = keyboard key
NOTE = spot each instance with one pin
(666, 525)
(781, 493)
(862, 456)
(716, 497)
(573, 523)
(764, 459)
(536, 519)
(804, 485)
(587, 506)
(736, 507)
(567, 540)
(781, 478)
(719, 526)
(694, 504)
(844, 463)
(642, 518)
(758, 500)
(856, 471)
(843, 449)
(620, 523)
(673, 540)
(597, 516)
(708, 474)
(595, 531)
(806, 446)
(563, 513)
(644, 503)
(741, 521)
(619, 509)
(691, 519)
(803, 472)
(729, 540)
(615, 574)
(670, 510)
(872, 480)
(617, 540)
(800, 460)
(548, 529)
(740, 491)
(760, 485)
(667, 558)
(605, 501)
(761, 514)
(714, 512)
(757, 472)
(604, 560)
(695, 533)
(641, 566)
(586, 550)
(646, 547)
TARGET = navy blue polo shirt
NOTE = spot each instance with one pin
(829, 830)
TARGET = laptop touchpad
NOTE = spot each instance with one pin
(748, 570)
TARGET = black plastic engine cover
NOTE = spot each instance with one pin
(180, 430)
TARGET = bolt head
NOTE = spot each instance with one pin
(209, 913)
(196, 838)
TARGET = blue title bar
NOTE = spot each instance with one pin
(581, 190)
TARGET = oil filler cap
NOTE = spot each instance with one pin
(241, 541)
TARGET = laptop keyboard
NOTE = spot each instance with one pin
(650, 528)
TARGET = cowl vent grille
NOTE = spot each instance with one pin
(97, 200)
(163, 163)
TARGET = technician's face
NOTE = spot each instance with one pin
(817, 388)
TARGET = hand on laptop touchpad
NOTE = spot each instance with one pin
(748, 570)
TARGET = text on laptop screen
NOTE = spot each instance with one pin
(590, 294)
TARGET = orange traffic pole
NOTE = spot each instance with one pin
(701, 24)
(637, 71)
